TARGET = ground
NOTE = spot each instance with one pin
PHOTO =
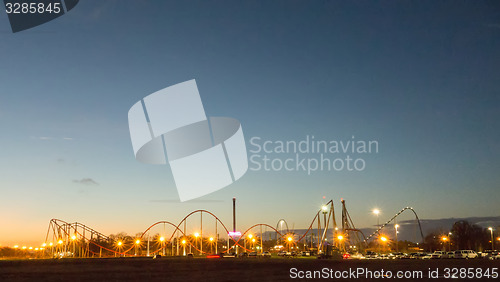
(232, 269)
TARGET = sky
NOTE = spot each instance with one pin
(420, 78)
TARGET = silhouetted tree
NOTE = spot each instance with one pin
(468, 236)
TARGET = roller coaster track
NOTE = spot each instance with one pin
(65, 232)
(67, 235)
(394, 217)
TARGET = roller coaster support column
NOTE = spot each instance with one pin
(234, 225)
(201, 233)
(319, 227)
(147, 252)
(216, 237)
(261, 245)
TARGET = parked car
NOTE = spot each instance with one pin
(486, 253)
(252, 254)
(494, 255)
(305, 254)
(281, 253)
(418, 255)
(426, 256)
(266, 254)
(229, 255)
(437, 254)
(398, 255)
(449, 255)
(465, 254)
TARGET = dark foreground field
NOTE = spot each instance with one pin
(230, 269)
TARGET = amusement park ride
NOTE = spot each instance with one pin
(65, 239)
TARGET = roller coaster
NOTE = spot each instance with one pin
(65, 239)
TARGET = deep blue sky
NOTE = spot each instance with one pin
(420, 77)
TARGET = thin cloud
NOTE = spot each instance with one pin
(192, 201)
(493, 25)
(45, 138)
(86, 181)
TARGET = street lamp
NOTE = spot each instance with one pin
(290, 240)
(377, 212)
(162, 240)
(196, 235)
(492, 241)
(444, 238)
(396, 226)
(73, 238)
(249, 237)
(137, 243)
(211, 239)
(324, 208)
(184, 246)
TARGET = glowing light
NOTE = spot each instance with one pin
(184, 242)
(290, 239)
(383, 239)
(253, 240)
(162, 239)
(233, 234)
(44, 244)
(60, 242)
(137, 242)
(73, 237)
(324, 208)
(211, 239)
(24, 248)
(119, 243)
(396, 226)
(16, 246)
(196, 234)
(50, 244)
(444, 238)
(30, 248)
(376, 211)
(36, 249)
(250, 236)
(490, 228)
(340, 237)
